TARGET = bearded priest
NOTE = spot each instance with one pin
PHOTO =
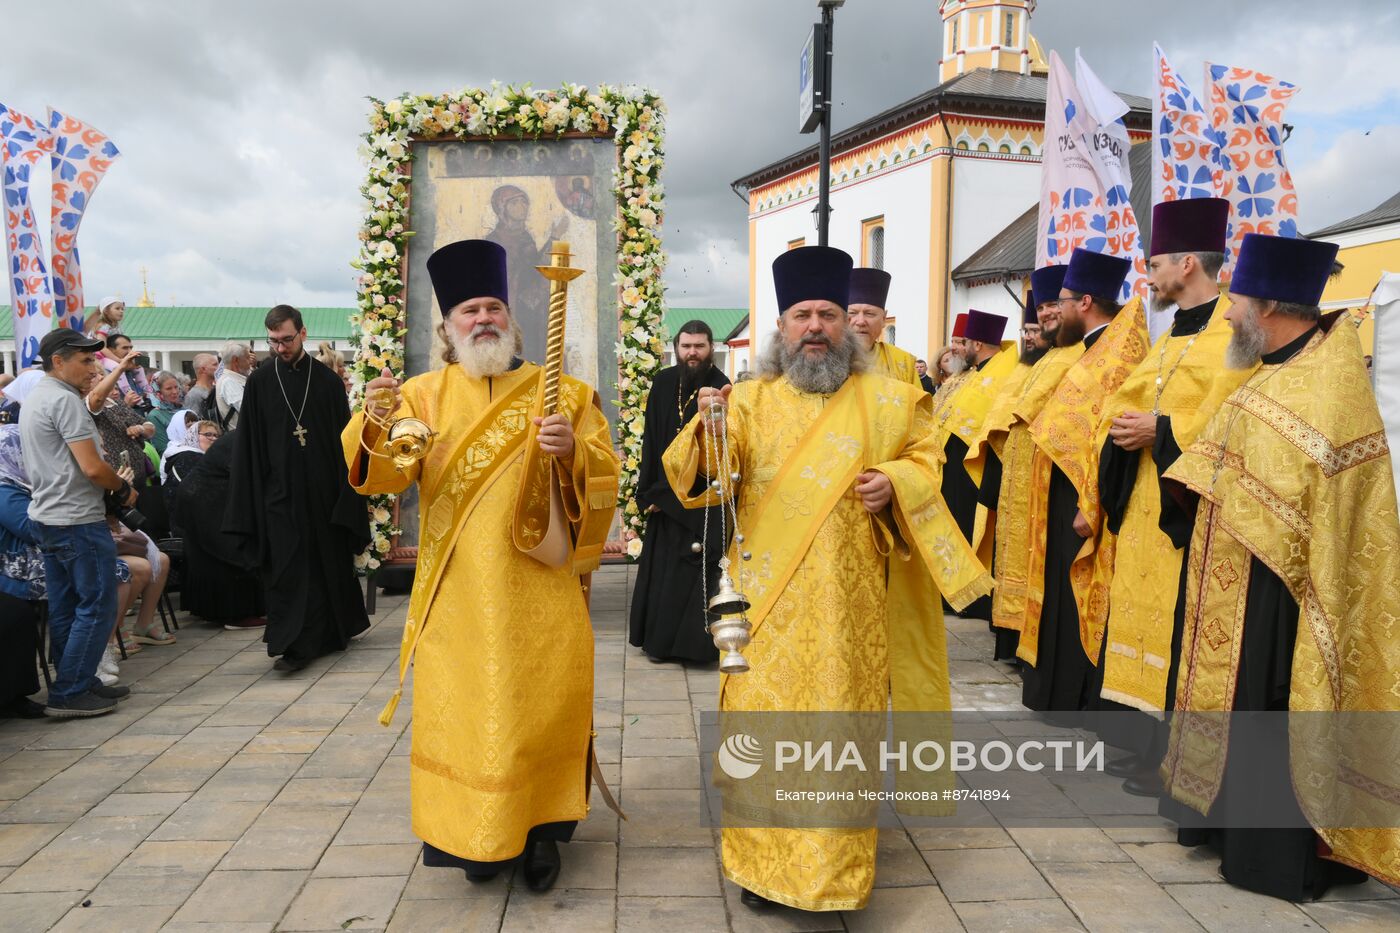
(1057, 648)
(838, 478)
(665, 620)
(497, 630)
(870, 289)
(1293, 588)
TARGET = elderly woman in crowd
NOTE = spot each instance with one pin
(21, 585)
(166, 402)
(216, 586)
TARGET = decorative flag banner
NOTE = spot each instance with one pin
(1105, 138)
(23, 142)
(1076, 207)
(81, 156)
(1186, 160)
(1247, 112)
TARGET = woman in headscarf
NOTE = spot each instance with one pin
(181, 455)
(21, 585)
(216, 585)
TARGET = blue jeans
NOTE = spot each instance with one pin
(79, 562)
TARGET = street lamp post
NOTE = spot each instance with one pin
(828, 8)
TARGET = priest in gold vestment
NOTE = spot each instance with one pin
(1293, 591)
(1057, 649)
(990, 361)
(870, 289)
(1154, 415)
(1004, 445)
(498, 630)
(838, 475)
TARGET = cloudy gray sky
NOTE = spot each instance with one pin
(239, 122)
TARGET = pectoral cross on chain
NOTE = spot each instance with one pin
(300, 432)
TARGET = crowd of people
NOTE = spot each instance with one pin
(108, 473)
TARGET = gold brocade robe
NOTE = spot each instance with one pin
(822, 639)
(1007, 431)
(895, 363)
(1063, 434)
(503, 653)
(1294, 470)
(1134, 587)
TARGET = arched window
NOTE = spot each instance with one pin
(1026, 150)
(962, 144)
(1004, 147)
(983, 147)
(875, 243)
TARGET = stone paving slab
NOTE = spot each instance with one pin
(224, 796)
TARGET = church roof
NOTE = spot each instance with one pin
(211, 324)
(982, 91)
(1011, 253)
(722, 321)
(1387, 212)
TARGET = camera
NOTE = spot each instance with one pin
(127, 515)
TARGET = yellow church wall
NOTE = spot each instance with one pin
(1363, 264)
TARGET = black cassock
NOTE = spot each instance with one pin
(1256, 791)
(667, 617)
(1060, 679)
(216, 584)
(300, 522)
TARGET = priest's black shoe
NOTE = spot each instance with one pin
(753, 901)
(481, 877)
(289, 663)
(1125, 767)
(1146, 784)
(541, 864)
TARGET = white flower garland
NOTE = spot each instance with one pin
(635, 117)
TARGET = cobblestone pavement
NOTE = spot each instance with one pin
(225, 796)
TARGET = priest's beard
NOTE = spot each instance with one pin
(1034, 354)
(1160, 301)
(956, 364)
(1247, 342)
(821, 375)
(483, 358)
(1072, 331)
(694, 375)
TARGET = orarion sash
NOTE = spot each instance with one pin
(483, 453)
(822, 468)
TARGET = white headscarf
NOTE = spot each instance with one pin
(182, 437)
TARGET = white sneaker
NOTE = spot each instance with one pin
(106, 678)
(108, 664)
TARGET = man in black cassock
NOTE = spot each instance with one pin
(300, 523)
(668, 606)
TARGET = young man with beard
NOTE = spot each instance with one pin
(1064, 478)
(870, 289)
(1137, 591)
(668, 605)
(297, 518)
(1293, 588)
(1005, 443)
(497, 625)
(838, 471)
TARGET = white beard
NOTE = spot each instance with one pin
(956, 364)
(483, 358)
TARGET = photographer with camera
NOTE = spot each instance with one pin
(63, 458)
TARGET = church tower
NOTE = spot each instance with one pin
(993, 34)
